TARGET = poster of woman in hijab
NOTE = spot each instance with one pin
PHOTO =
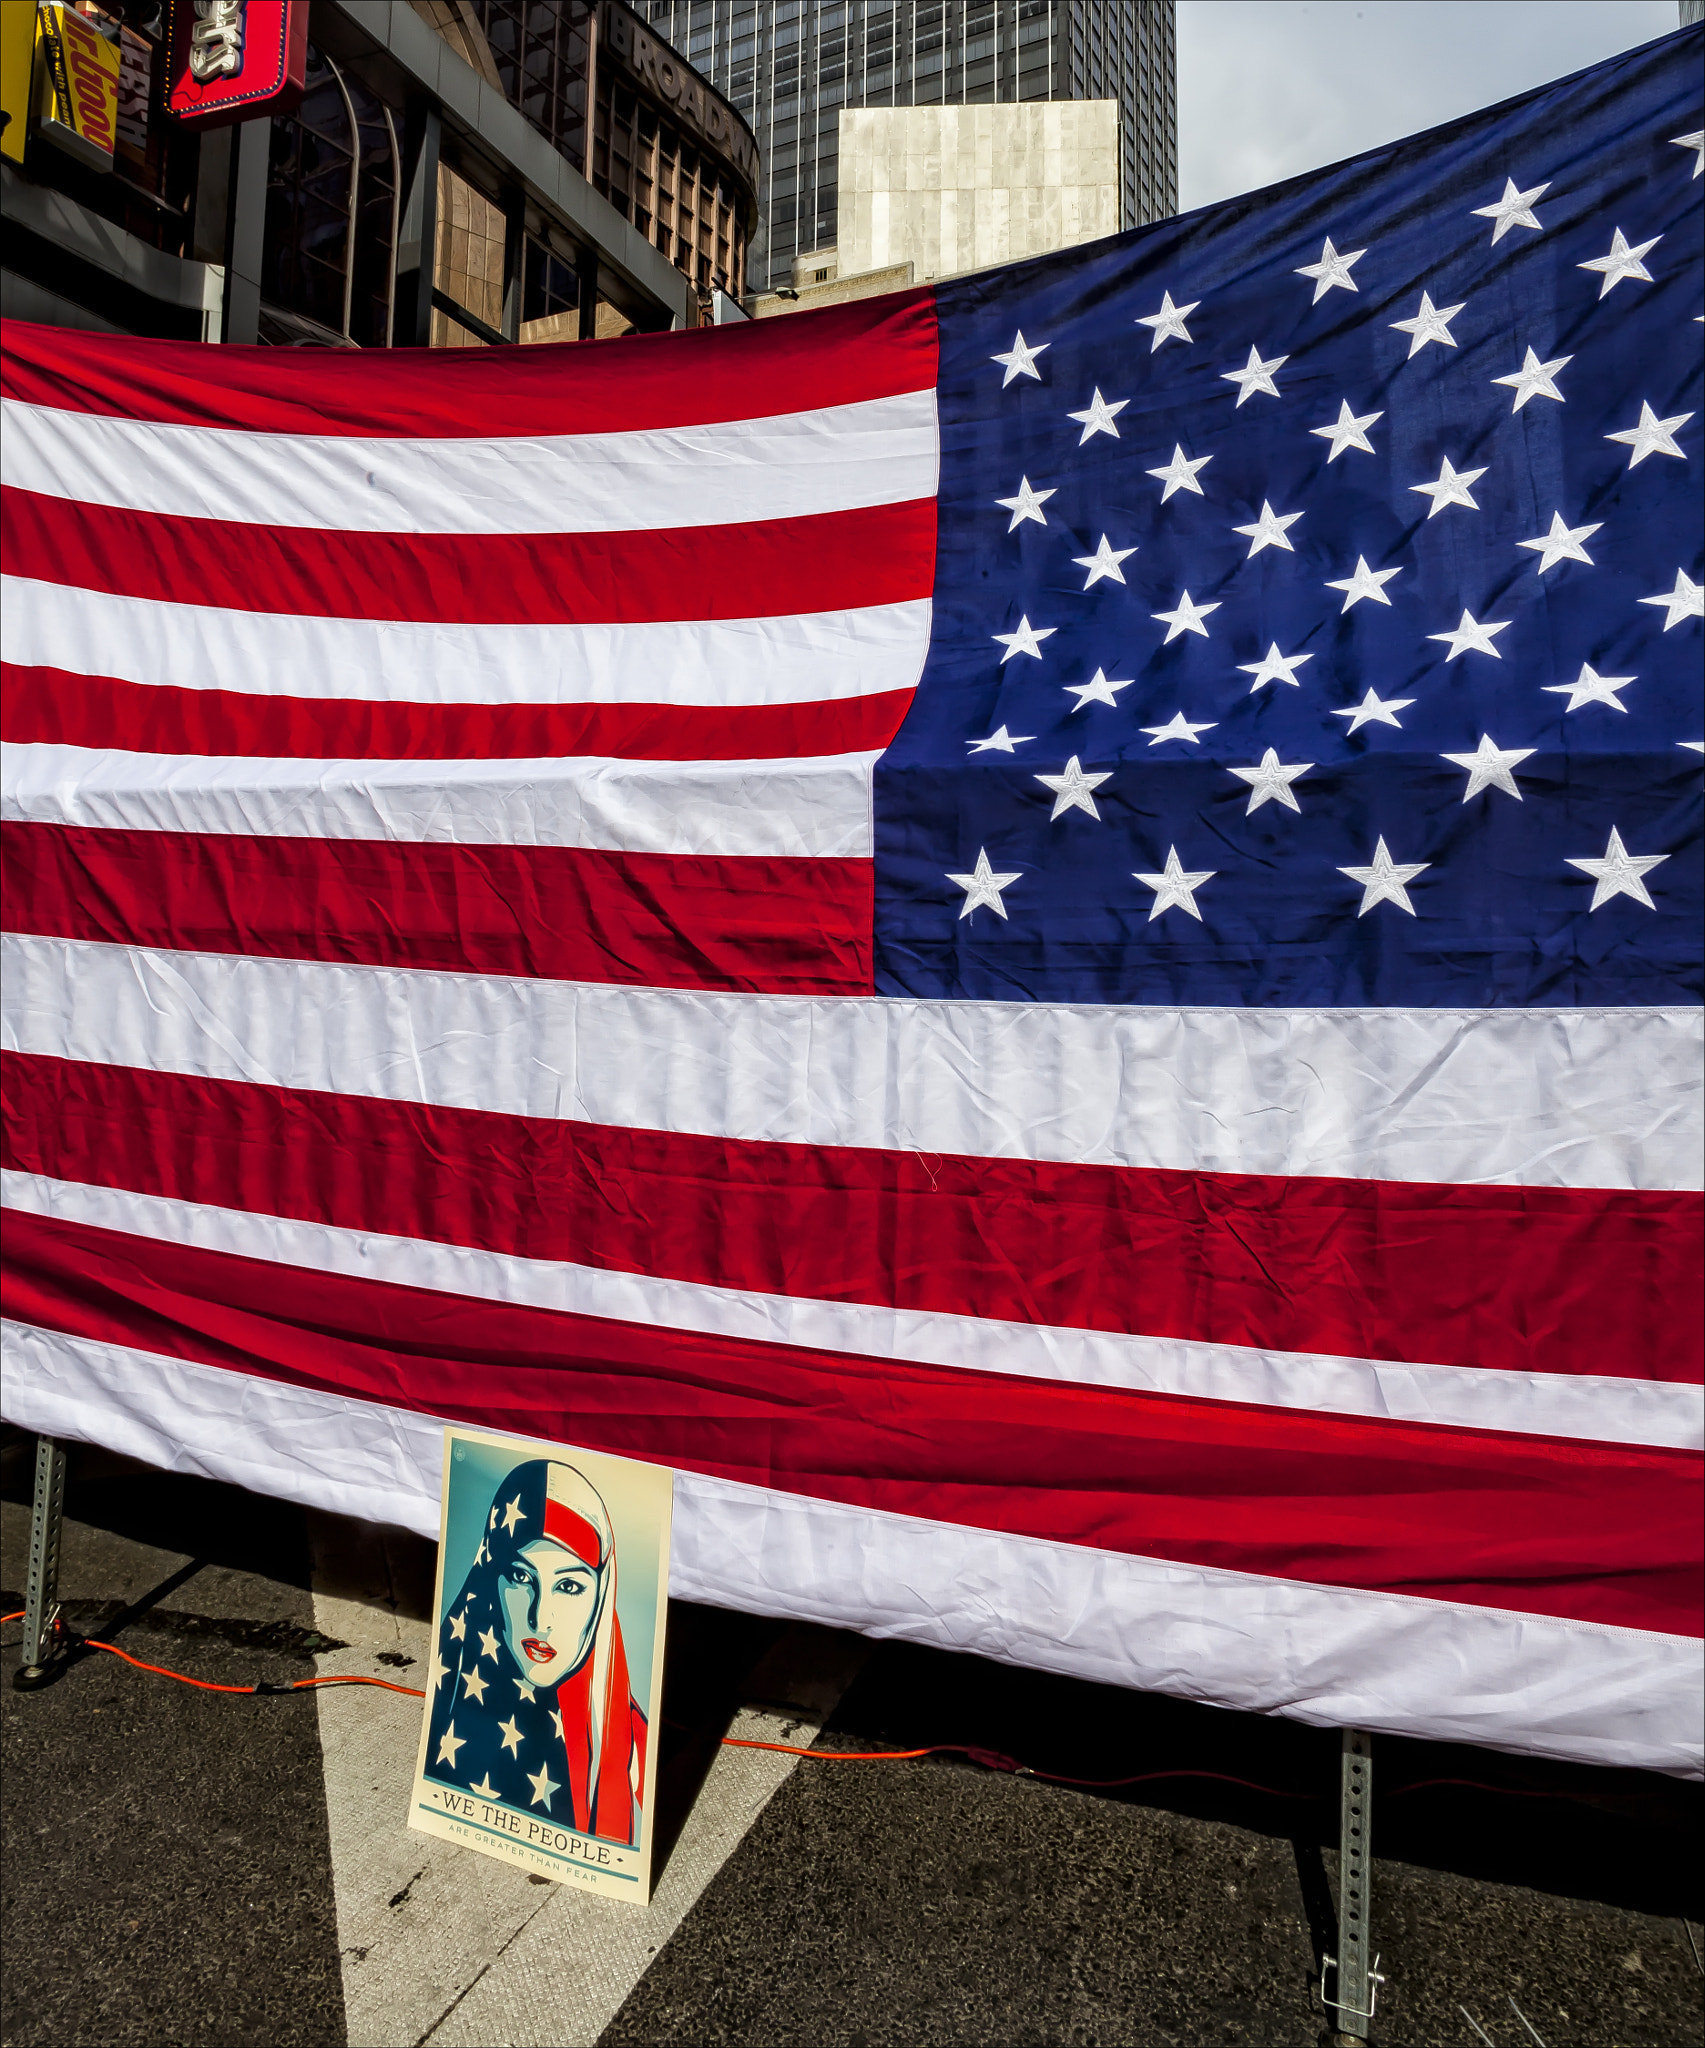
(553, 1572)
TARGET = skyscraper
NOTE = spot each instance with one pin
(789, 66)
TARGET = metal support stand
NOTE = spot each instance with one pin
(44, 1656)
(1356, 1980)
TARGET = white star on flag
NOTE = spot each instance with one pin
(449, 1742)
(512, 1515)
(1385, 880)
(1073, 789)
(1271, 782)
(1589, 687)
(1098, 690)
(1180, 473)
(1331, 270)
(1026, 640)
(1619, 872)
(1685, 601)
(1450, 489)
(474, 1685)
(440, 1671)
(1561, 544)
(1020, 359)
(1104, 563)
(1177, 727)
(1514, 210)
(1027, 505)
(488, 1643)
(1174, 888)
(459, 1627)
(1273, 667)
(1472, 637)
(1185, 617)
(1098, 416)
(1534, 379)
(1489, 767)
(1622, 262)
(1652, 436)
(1168, 323)
(525, 1689)
(1431, 323)
(1269, 530)
(1347, 431)
(983, 886)
(1000, 741)
(1255, 375)
(485, 1788)
(1374, 710)
(1366, 582)
(511, 1736)
(1695, 142)
(543, 1785)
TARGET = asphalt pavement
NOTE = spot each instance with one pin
(187, 1866)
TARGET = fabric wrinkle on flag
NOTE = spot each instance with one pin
(1045, 931)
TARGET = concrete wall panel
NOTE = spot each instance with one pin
(950, 189)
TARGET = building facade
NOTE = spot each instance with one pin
(952, 189)
(790, 66)
(445, 173)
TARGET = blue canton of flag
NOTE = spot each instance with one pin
(1318, 589)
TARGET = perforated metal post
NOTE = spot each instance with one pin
(1353, 1978)
(41, 1589)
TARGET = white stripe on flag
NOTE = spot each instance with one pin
(1590, 1407)
(1546, 1098)
(808, 658)
(1328, 1656)
(816, 808)
(879, 451)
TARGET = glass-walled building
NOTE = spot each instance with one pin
(790, 66)
(452, 173)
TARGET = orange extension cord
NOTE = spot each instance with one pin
(990, 1759)
(207, 1684)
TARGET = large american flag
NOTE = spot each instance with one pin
(1045, 931)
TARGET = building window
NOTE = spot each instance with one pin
(311, 205)
(469, 267)
(541, 48)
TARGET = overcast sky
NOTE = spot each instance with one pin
(1268, 88)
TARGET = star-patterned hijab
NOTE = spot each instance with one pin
(574, 1752)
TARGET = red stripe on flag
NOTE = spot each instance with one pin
(774, 926)
(1552, 1280)
(874, 348)
(54, 706)
(832, 561)
(1605, 1533)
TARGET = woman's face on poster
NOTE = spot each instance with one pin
(550, 1608)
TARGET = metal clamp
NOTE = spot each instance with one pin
(1375, 1979)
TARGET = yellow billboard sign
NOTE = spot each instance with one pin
(77, 84)
(17, 54)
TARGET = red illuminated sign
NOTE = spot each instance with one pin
(228, 59)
